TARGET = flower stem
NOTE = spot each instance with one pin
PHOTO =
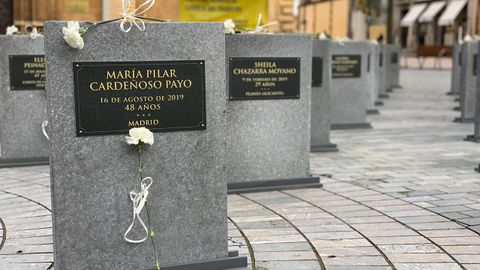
(151, 232)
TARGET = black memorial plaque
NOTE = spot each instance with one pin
(346, 66)
(264, 78)
(113, 97)
(27, 72)
(381, 60)
(475, 66)
(317, 71)
(394, 58)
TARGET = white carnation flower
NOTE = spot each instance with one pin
(72, 35)
(322, 36)
(34, 34)
(138, 135)
(11, 30)
(467, 38)
(229, 27)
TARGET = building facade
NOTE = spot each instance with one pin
(408, 23)
(34, 12)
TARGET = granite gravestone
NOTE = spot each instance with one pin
(456, 67)
(476, 133)
(468, 82)
(394, 67)
(180, 73)
(382, 75)
(349, 92)
(372, 78)
(321, 83)
(269, 87)
(24, 102)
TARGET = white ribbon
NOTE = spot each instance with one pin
(130, 15)
(262, 28)
(44, 125)
(138, 200)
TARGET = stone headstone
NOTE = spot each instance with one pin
(372, 78)
(456, 67)
(382, 74)
(24, 102)
(349, 92)
(321, 83)
(468, 82)
(383, 77)
(269, 86)
(394, 67)
(93, 169)
(476, 133)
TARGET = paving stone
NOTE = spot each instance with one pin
(410, 249)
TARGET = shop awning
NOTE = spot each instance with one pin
(412, 15)
(432, 11)
(451, 12)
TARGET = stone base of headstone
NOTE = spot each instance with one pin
(379, 103)
(230, 263)
(324, 148)
(351, 126)
(373, 111)
(472, 138)
(23, 162)
(463, 120)
(269, 185)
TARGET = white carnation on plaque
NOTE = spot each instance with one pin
(12, 30)
(72, 35)
(229, 27)
(138, 135)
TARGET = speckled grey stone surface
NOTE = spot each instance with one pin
(382, 72)
(394, 74)
(476, 132)
(320, 122)
(92, 176)
(21, 112)
(270, 139)
(371, 77)
(350, 95)
(456, 67)
(468, 83)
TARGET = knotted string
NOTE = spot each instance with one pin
(44, 125)
(131, 16)
(138, 200)
(262, 28)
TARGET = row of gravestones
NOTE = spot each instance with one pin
(250, 130)
(466, 85)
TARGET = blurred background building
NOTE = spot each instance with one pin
(412, 24)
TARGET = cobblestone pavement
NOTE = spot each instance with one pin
(402, 195)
